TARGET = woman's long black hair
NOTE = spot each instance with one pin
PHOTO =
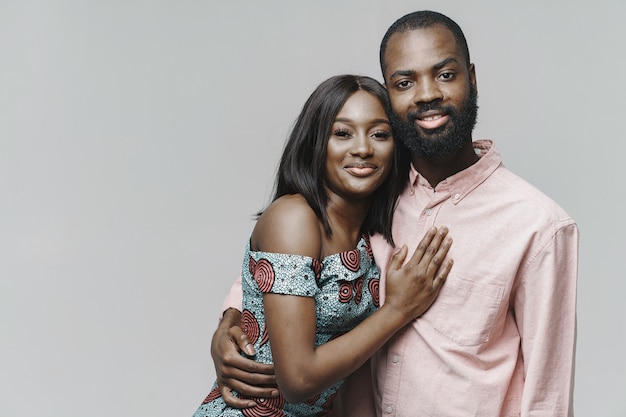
(302, 165)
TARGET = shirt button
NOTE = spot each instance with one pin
(394, 359)
(389, 409)
(428, 212)
(457, 196)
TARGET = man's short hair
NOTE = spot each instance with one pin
(420, 20)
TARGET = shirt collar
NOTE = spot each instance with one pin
(462, 183)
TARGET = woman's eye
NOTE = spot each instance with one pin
(342, 133)
(382, 135)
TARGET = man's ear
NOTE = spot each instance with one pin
(472, 76)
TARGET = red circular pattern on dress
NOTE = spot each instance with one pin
(316, 266)
(374, 287)
(358, 289)
(214, 394)
(266, 407)
(368, 247)
(264, 275)
(328, 405)
(251, 265)
(345, 292)
(351, 259)
(264, 337)
(250, 325)
(312, 401)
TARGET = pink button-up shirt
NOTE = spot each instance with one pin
(500, 338)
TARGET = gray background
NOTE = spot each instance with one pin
(137, 138)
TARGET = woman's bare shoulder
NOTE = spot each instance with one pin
(288, 225)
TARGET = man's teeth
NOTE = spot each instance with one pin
(431, 118)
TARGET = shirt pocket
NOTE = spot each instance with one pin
(467, 311)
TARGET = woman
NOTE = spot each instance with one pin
(309, 281)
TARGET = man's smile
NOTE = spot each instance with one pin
(431, 119)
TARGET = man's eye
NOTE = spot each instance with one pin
(447, 76)
(403, 84)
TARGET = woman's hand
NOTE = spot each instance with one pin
(412, 288)
(235, 372)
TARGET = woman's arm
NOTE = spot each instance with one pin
(234, 371)
(302, 370)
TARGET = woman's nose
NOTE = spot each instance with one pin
(361, 146)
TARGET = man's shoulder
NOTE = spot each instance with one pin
(525, 196)
(510, 188)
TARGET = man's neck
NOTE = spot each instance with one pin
(435, 171)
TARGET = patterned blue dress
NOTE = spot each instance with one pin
(346, 291)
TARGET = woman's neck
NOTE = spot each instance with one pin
(346, 220)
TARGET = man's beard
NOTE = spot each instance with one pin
(442, 142)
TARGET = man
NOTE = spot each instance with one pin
(500, 338)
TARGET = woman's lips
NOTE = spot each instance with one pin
(361, 170)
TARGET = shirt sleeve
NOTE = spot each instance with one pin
(545, 311)
(233, 298)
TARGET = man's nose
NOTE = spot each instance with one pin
(427, 91)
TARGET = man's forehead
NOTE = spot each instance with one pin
(422, 49)
(426, 46)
